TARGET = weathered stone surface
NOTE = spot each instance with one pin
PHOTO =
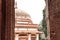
(54, 19)
(10, 20)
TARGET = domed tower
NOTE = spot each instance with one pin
(22, 17)
(24, 28)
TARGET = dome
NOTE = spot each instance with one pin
(20, 13)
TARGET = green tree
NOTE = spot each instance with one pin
(44, 25)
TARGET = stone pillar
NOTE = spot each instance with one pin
(29, 36)
(37, 36)
(16, 36)
(54, 19)
(8, 20)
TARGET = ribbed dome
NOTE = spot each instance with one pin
(21, 13)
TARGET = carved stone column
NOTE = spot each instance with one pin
(16, 36)
(10, 20)
(7, 20)
(29, 36)
(37, 36)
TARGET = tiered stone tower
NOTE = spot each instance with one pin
(24, 27)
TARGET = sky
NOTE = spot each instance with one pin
(33, 7)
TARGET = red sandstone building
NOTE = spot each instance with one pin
(24, 27)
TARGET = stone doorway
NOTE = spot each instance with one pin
(52, 19)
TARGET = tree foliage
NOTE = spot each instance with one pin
(44, 25)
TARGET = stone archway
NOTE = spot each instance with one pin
(7, 29)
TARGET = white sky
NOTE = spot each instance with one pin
(33, 8)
